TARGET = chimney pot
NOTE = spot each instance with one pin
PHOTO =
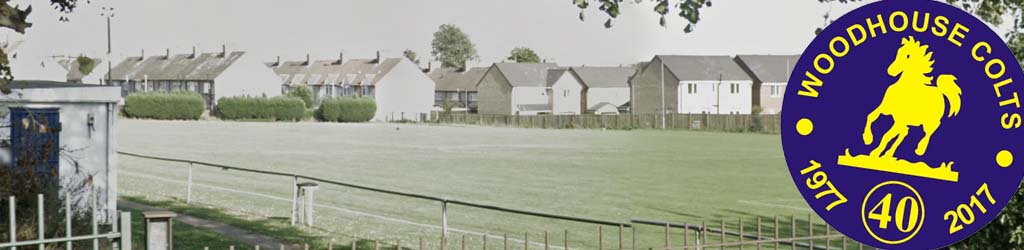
(143, 55)
(167, 55)
(223, 50)
(378, 56)
(193, 52)
(278, 63)
(307, 60)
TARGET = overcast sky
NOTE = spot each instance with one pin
(324, 28)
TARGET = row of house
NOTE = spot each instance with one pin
(401, 89)
(667, 83)
(742, 84)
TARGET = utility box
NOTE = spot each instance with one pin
(159, 229)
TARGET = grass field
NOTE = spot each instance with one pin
(673, 176)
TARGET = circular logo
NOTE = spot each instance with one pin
(901, 121)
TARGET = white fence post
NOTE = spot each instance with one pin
(444, 219)
(295, 197)
(67, 220)
(13, 226)
(188, 187)
(42, 223)
(95, 227)
(126, 231)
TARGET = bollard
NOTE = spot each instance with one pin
(305, 199)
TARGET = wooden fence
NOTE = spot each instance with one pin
(707, 122)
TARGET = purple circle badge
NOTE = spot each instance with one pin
(901, 122)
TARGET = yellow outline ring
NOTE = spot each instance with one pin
(920, 221)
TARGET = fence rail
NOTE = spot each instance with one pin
(706, 122)
(444, 201)
(704, 235)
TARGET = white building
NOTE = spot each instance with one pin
(565, 92)
(87, 133)
(604, 85)
(771, 75)
(401, 90)
(692, 85)
(516, 89)
(212, 75)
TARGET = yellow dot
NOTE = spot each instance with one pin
(804, 126)
(1004, 158)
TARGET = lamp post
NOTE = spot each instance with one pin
(663, 112)
(108, 12)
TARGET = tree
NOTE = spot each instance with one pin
(15, 18)
(452, 47)
(302, 92)
(411, 55)
(85, 65)
(1007, 230)
(991, 11)
(524, 55)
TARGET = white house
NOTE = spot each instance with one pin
(400, 88)
(604, 85)
(565, 92)
(515, 89)
(212, 75)
(692, 85)
(87, 133)
(457, 86)
(770, 74)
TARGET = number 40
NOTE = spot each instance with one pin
(883, 214)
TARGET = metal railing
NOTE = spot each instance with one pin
(774, 239)
(444, 202)
(695, 236)
(120, 234)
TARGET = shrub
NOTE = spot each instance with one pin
(347, 109)
(165, 105)
(302, 92)
(252, 108)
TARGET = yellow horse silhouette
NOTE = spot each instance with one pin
(913, 100)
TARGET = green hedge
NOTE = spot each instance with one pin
(347, 109)
(165, 105)
(252, 108)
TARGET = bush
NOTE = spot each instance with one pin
(165, 105)
(252, 108)
(302, 92)
(347, 109)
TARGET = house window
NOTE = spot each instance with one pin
(691, 88)
(776, 90)
(734, 88)
(439, 96)
(565, 92)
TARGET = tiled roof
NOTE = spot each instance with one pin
(206, 66)
(703, 68)
(331, 72)
(604, 77)
(768, 68)
(525, 74)
(452, 79)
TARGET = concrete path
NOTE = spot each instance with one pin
(265, 242)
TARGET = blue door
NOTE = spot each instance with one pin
(35, 140)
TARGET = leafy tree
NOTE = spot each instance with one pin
(85, 65)
(524, 55)
(411, 55)
(1007, 230)
(452, 47)
(302, 92)
(15, 18)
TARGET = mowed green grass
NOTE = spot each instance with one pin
(676, 176)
